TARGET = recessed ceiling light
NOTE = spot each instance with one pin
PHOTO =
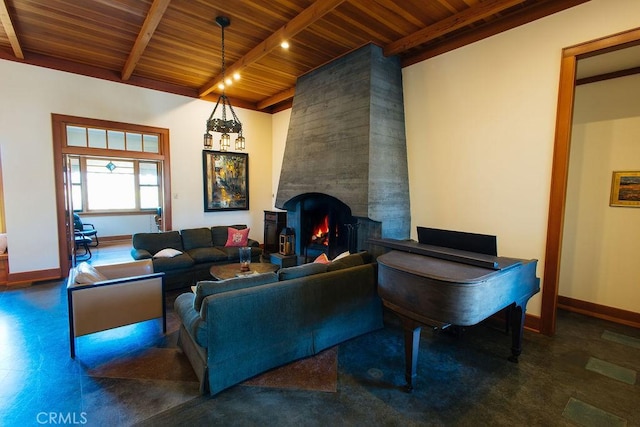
(284, 45)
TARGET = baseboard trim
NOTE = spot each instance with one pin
(115, 239)
(611, 314)
(28, 277)
(532, 323)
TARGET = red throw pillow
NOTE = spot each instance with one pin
(237, 237)
(322, 259)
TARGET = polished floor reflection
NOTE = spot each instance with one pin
(585, 375)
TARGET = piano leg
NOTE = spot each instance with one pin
(517, 316)
(411, 348)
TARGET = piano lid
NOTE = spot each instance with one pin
(441, 269)
(440, 252)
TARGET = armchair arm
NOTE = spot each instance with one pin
(126, 269)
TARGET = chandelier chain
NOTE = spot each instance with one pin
(224, 83)
(222, 125)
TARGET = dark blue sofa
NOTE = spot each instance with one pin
(234, 329)
(200, 249)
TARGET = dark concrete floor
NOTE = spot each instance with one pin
(584, 375)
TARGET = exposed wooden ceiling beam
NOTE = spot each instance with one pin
(157, 10)
(459, 20)
(305, 18)
(279, 97)
(447, 6)
(5, 19)
(448, 25)
(533, 12)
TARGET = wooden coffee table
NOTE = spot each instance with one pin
(227, 271)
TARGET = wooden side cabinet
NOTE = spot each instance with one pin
(4, 268)
(274, 222)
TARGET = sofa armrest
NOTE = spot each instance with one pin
(139, 254)
(253, 243)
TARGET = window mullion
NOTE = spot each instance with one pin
(136, 181)
(83, 183)
(159, 180)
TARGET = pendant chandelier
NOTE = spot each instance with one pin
(222, 125)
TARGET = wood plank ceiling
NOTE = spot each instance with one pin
(175, 45)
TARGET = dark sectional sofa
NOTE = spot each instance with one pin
(234, 329)
(200, 249)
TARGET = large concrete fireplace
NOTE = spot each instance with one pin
(344, 175)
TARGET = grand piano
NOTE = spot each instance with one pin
(451, 278)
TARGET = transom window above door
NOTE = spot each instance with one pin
(114, 168)
(110, 139)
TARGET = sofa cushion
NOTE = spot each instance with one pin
(167, 253)
(209, 287)
(237, 238)
(303, 270)
(155, 242)
(207, 255)
(86, 273)
(346, 262)
(220, 233)
(175, 263)
(196, 238)
(322, 259)
(342, 255)
(233, 252)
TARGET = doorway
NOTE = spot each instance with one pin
(559, 174)
(80, 138)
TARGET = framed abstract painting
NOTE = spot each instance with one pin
(226, 180)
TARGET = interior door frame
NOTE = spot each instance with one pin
(66, 238)
(560, 168)
(68, 214)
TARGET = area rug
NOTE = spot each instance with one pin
(316, 373)
(167, 364)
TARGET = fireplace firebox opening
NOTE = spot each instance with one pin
(323, 224)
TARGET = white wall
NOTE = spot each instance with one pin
(601, 243)
(30, 94)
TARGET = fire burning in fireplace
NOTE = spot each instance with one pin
(320, 234)
(323, 224)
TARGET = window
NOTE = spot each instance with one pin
(149, 185)
(90, 137)
(114, 167)
(114, 184)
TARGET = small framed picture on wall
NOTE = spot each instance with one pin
(625, 189)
